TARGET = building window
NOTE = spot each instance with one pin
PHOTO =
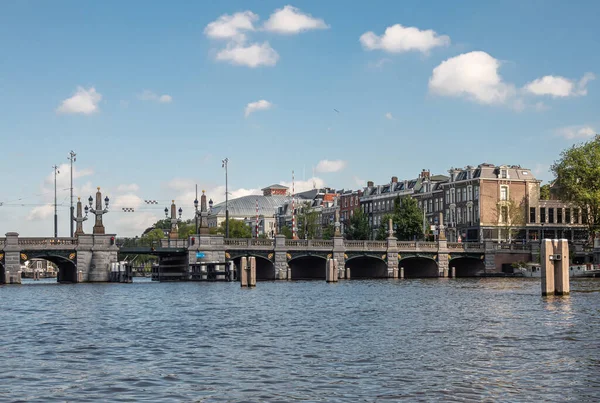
(503, 193)
(476, 213)
(476, 192)
(458, 216)
(464, 194)
(435, 205)
(470, 215)
(559, 216)
(351, 202)
(470, 193)
(551, 215)
(542, 214)
(532, 214)
(575, 216)
(504, 174)
(452, 194)
(430, 205)
(447, 197)
(567, 215)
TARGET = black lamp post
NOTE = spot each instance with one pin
(225, 161)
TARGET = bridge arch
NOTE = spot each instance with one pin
(265, 269)
(467, 266)
(367, 266)
(419, 267)
(67, 268)
(308, 267)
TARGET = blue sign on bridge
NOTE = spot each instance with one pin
(199, 255)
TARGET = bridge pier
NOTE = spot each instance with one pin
(95, 253)
(12, 259)
(282, 269)
(442, 257)
(392, 256)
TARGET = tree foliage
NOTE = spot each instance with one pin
(545, 192)
(510, 217)
(307, 222)
(286, 231)
(408, 219)
(329, 232)
(237, 229)
(382, 231)
(357, 228)
(577, 173)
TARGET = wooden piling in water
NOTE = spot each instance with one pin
(554, 257)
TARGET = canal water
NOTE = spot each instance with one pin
(401, 340)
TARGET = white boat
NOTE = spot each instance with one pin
(578, 270)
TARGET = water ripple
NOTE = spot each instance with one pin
(472, 340)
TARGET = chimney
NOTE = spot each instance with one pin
(394, 179)
(370, 184)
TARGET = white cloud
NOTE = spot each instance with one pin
(398, 39)
(41, 212)
(379, 63)
(576, 132)
(128, 200)
(261, 105)
(83, 101)
(128, 188)
(559, 87)
(330, 166)
(302, 186)
(359, 182)
(473, 75)
(290, 20)
(151, 96)
(231, 26)
(179, 184)
(253, 55)
(389, 116)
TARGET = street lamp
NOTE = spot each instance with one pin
(210, 205)
(225, 161)
(166, 212)
(56, 171)
(72, 159)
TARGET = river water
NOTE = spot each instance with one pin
(411, 340)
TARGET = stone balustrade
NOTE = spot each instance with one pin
(48, 241)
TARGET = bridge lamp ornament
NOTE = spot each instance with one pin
(98, 211)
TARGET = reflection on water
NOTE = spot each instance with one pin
(434, 339)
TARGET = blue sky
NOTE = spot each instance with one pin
(164, 90)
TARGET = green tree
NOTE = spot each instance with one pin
(577, 173)
(329, 232)
(185, 229)
(153, 236)
(308, 222)
(382, 231)
(358, 227)
(545, 192)
(286, 231)
(408, 219)
(510, 217)
(237, 229)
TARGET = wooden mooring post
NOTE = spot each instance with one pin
(331, 273)
(554, 256)
(248, 272)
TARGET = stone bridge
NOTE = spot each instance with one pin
(85, 258)
(286, 259)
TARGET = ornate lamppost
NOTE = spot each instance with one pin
(79, 219)
(98, 211)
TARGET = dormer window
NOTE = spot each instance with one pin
(504, 173)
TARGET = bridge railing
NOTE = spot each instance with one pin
(366, 245)
(48, 241)
(296, 243)
(174, 243)
(245, 242)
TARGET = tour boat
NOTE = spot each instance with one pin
(579, 270)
